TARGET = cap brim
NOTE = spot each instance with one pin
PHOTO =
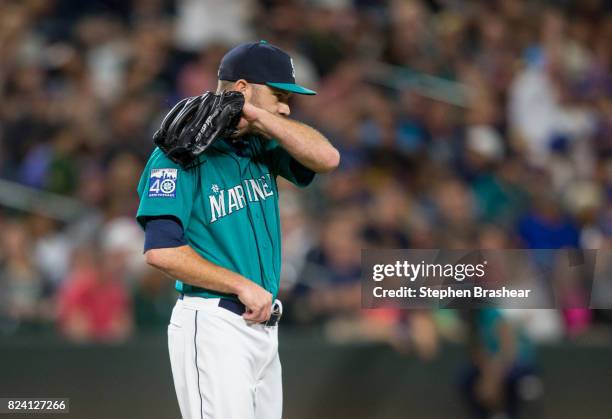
(292, 87)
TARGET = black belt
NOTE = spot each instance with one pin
(238, 308)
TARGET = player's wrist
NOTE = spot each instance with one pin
(240, 286)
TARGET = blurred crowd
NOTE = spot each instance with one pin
(461, 124)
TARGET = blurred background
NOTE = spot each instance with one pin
(461, 124)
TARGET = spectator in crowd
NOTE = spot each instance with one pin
(501, 370)
(22, 287)
(94, 303)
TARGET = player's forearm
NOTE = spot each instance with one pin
(185, 264)
(304, 143)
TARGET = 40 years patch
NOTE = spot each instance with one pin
(162, 183)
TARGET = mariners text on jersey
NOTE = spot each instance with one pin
(224, 202)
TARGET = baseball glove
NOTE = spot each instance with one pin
(195, 123)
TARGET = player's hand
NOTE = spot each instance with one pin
(249, 122)
(257, 300)
(250, 112)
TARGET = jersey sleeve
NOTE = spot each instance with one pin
(166, 189)
(283, 164)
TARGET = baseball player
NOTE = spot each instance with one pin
(213, 224)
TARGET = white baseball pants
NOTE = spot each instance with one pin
(223, 366)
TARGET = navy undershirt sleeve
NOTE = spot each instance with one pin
(163, 232)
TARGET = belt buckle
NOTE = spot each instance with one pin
(277, 313)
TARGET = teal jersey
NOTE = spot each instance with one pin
(227, 205)
(488, 322)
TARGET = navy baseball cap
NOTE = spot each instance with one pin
(261, 63)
